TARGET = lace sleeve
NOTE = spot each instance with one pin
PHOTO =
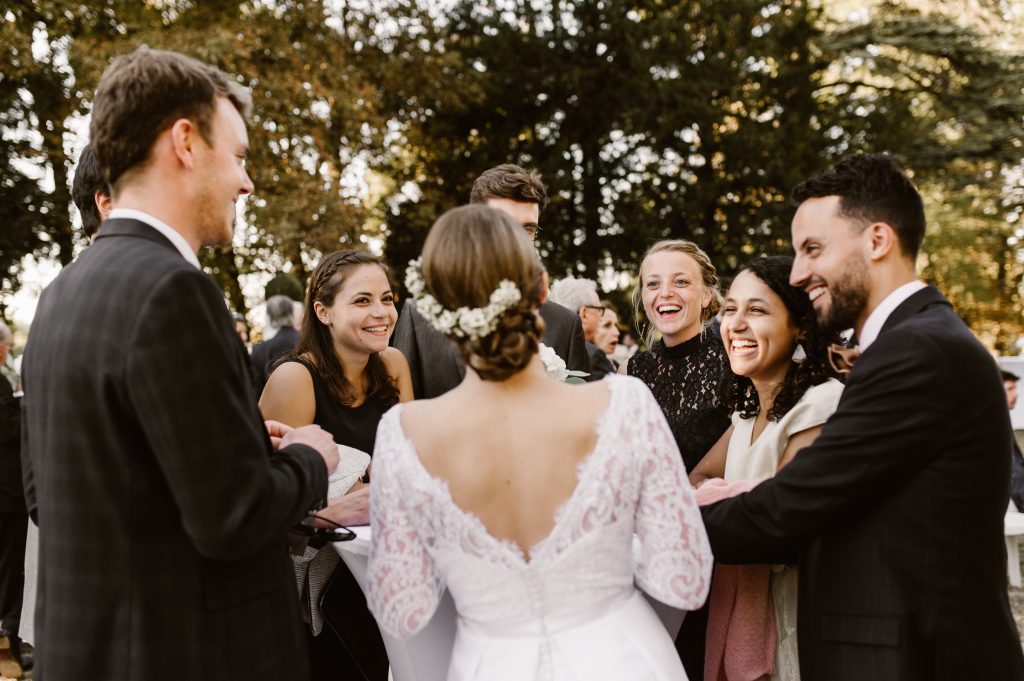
(675, 560)
(403, 586)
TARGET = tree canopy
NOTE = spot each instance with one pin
(647, 118)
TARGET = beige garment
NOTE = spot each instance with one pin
(759, 461)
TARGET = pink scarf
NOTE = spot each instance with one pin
(741, 621)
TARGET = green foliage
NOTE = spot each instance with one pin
(285, 285)
(649, 119)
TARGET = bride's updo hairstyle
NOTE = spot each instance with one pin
(467, 254)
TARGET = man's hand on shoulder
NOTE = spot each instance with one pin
(312, 436)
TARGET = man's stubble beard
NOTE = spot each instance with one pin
(849, 297)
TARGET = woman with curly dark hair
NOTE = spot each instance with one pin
(781, 391)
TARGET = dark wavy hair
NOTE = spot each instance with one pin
(737, 392)
(315, 342)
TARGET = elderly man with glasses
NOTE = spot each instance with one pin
(580, 295)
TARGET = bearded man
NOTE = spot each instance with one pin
(895, 513)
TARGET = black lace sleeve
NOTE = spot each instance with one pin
(684, 380)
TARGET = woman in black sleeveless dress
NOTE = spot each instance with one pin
(677, 294)
(342, 377)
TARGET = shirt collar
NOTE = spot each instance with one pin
(876, 320)
(172, 235)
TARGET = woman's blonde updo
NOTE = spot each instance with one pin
(467, 254)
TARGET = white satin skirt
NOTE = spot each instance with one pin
(618, 640)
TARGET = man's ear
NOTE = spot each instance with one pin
(103, 204)
(880, 240)
(183, 137)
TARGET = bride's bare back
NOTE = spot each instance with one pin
(509, 450)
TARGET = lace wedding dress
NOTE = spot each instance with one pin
(572, 611)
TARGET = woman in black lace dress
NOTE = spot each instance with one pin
(677, 295)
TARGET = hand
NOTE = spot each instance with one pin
(276, 430)
(351, 509)
(316, 437)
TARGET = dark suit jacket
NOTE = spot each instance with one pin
(600, 365)
(437, 367)
(162, 510)
(12, 495)
(896, 512)
(266, 353)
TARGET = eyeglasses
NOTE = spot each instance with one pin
(600, 309)
(842, 358)
(532, 230)
(318, 537)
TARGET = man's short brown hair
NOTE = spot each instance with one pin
(141, 94)
(509, 181)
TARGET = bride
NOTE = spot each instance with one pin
(522, 495)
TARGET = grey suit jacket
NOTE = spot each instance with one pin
(437, 367)
(162, 509)
(895, 513)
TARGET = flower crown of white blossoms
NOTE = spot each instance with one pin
(466, 322)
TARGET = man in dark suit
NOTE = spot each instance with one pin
(434, 362)
(280, 318)
(13, 522)
(895, 512)
(162, 504)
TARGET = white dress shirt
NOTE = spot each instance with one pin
(876, 320)
(175, 237)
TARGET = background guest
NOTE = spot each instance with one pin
(279, 338)
(580, 296)
(435, 365)
(13, 523)
(676, 295)
(607, 338)
(90, 193)
(1010, 381)
(778, 355)
(342, 377)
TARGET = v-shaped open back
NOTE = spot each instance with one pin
(516, 547)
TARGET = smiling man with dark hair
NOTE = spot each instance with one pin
(895, 513)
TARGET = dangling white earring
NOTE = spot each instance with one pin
(798, 353)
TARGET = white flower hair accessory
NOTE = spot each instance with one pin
(466, 322)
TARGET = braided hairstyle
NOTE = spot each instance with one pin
(737, 392)
(467, 254)
(317, 345)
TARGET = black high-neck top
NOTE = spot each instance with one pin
(684, 380)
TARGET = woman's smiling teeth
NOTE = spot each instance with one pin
(743, 347)
(668, 309)
(376, 330)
